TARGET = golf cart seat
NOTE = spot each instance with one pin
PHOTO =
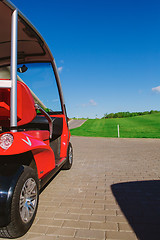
(25, 105)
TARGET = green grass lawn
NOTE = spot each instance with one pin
(146, 126)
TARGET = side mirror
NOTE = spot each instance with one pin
(22, 69)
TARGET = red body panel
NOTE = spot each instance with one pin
(65, 137)
(43, 154)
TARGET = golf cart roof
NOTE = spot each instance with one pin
(31, 45)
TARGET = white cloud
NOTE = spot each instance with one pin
(60, 69)
(90, 103)
(156, 89)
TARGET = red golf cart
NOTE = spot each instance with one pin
(34, 134)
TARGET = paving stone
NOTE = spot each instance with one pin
(85, 200)
(80, 211)
(93, 205)
(116, 219)
(55, 210)
(104, 201)
(45, 214)
(72, 205)
(90, 234)
(112, 206)
(61, 231)
(76, 224)
(104, 212)
(66, 216)
(49, 222)
(104, 226)
(49, 204)
(92, 218)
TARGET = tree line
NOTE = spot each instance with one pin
(128, 114)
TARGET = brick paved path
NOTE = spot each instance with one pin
(111, 192)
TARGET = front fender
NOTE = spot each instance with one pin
(23, 142)
(8, 180)
(42, 153)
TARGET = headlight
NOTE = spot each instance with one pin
(6, 141)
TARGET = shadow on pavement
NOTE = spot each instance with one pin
(140, 203)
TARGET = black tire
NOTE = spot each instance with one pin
(69, 160)
(26, 191)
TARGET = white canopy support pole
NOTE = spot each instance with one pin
(13, 104)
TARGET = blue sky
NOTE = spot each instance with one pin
(107, 52)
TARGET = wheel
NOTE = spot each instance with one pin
(69, 161)
(24, 205)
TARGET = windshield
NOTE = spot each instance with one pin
(40, 78)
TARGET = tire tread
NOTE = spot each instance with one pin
(11, 230)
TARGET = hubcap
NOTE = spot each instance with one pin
(70, 155)
(28, 200)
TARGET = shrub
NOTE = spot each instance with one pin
(128, 114)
